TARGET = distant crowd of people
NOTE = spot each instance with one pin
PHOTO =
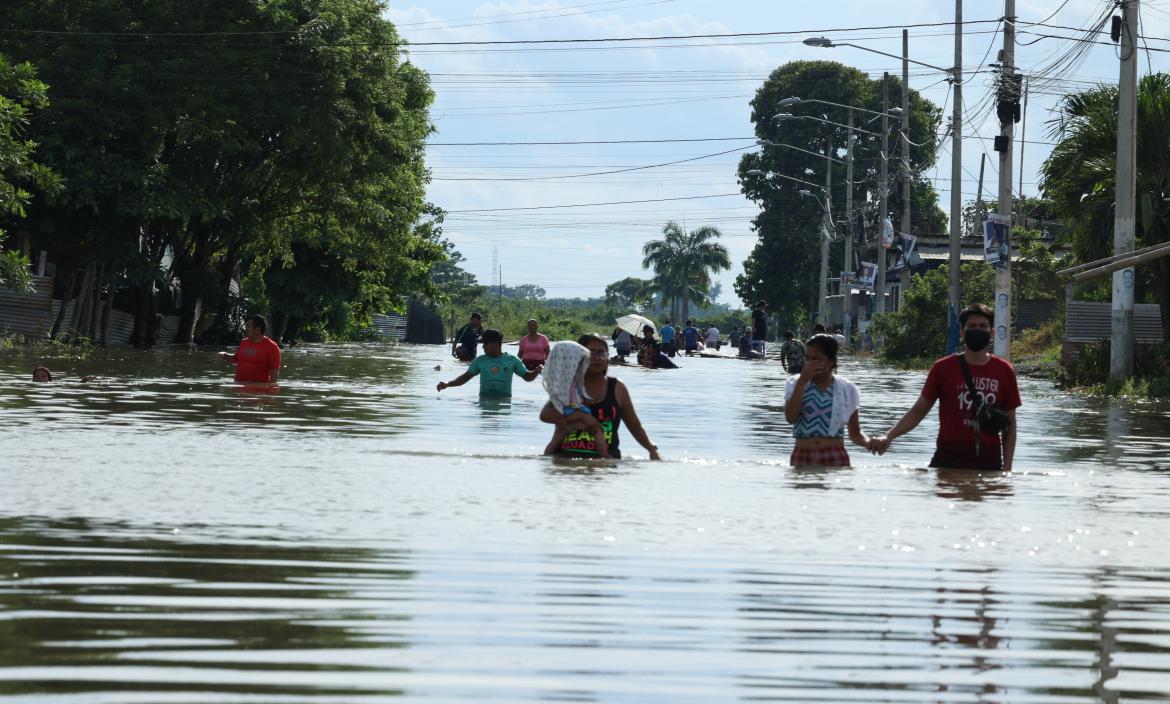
(977, 392)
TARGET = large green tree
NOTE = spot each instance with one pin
(783, 268)
(683, 263)
(234, 135)
(21, 93)
(1080, 174)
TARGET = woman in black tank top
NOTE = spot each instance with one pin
(612, 409)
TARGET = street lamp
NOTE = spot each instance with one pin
(768, 175)
(955, 76)
(826, 43)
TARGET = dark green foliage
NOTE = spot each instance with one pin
(783, 268)
(1080, 176)
(249, 138)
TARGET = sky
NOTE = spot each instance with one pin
(571, 215)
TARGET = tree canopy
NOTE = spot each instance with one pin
(683, 263)
(1080, 174)
(277, 143)
(783, 268)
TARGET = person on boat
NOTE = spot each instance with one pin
(623, 343)
(494, 368)
(467, 338)
(257, 359)
(667, 333)
(533, 347)
(820, 405)
(713, 338)
(564, 380)
(614, 408)
(690, 336)
(963, 441)
(656, 359)
(746, 346)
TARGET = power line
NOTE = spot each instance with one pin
(599, 141)
(586, 205)
(601, 173)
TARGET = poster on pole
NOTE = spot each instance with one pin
(887, 233)
(908, 246)
(997, 240)
(867, 275)
(847, 279)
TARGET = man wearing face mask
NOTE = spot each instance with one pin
(962, 443)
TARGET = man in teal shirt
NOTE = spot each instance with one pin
(494, 368)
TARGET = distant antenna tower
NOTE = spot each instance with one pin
(496, 268)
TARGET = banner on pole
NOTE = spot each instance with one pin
(887, 233)
(867, 275)
(997, 240)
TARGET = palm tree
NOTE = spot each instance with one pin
(1080, 177)
(683, 263)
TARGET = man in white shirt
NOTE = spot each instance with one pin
(713, 337)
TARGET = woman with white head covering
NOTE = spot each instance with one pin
(564, 380)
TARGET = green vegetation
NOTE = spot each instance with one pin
(683, 263)
(302, 177)
(1079, 177)
(916, 334)
(783, 267)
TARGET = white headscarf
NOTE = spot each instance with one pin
(564, 375)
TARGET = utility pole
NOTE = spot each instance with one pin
(904, 138)
(879, 284)
(1008, 112)
(954, 258)
(823, 291)
(847, 299)
(978, 214)
(1023, 134)
(906, 131)
(1124, 224)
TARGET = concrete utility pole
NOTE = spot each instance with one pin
(904, 138)
(905, 135)
(847, 299)
(823, 291)
(879, 284)
(1124, 219)
(954, 259)
(1010, 95)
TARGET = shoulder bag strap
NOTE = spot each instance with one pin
(974, 400)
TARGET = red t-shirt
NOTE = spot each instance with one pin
(995, 382)
(254, 360)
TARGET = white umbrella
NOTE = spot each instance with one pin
(633, 324)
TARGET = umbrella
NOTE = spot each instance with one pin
(633, 324)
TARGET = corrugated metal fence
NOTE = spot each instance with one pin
(1091, 322)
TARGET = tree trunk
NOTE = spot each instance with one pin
(1162, 289)
(188, 316)
(143, 315)
(95, 307)
(69, 283)
(108, 310)
(78, 320)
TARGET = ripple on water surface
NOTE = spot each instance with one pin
(167, 536)
(112, 614)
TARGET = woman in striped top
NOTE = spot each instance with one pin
(820, 405)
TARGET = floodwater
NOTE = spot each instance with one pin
(166, 536)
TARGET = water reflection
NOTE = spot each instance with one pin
(971, 485)
(357, 537)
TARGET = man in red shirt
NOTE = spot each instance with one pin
(258, 357)
(959, 444)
